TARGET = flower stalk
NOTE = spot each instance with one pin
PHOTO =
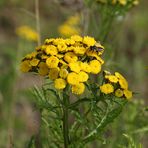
(65, 121)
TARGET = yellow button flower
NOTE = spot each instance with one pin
(95, 66)
(107, 88)
(119, 93)
(34, 62)
(62, 47)
(53, 73)
(89, 41)
(122, 2)
(80, 50)
(70, 57)
(73, 78)
(59, 83)
(31, 55)
(78, 89)
(51, 49)
(52, 62)
(75, 67)
(112, 78)
(128, 94)
(63, 73)
(25, 66)
(83, 76)
(69, 41)
(43, 69)
(85, 67)
(58, 41)
(122, 81)
(27, 33)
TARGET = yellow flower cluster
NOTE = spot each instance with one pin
(115, 84)
(70, 27)
(27, 33)
(120, 2)
(66, 61)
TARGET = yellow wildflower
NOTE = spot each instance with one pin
(89, 41)
(80, 50)
(58, 41)
(73, 78)
(52, 62)
(51, 49)
(31, 55)
(128, 94)
(107, 88)
(67, 30)
(77, 38)
(122, 81)
(53, 73)
(78, 89)
(95, 66)
(85, 67)
(34, 62)
(48, 41)
(122, 2)
(112, 78)
(62, 47)
(43, 69)
(75, 67)
(25, 66)
(59, 83)
(70, 57)
(27, 33)
(83, 76)
(69, 41)
(119, 93)
(63, 73)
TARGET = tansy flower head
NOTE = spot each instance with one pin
(73, 78)
(27, 33)
(25, 66)
(65, 61)
(119, 82)
(53, 73)
(89, 41)
(107, 88)
(95, 66)
(52, 62)
(78, 89)
(60, 83)
(119, 93)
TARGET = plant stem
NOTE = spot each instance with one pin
(65, 121)
(37, 15)
(65, 127)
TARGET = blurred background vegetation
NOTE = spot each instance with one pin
(126, 51)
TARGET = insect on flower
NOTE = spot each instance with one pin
(97, 48)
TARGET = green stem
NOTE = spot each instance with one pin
(65, 127)
(65, 121)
